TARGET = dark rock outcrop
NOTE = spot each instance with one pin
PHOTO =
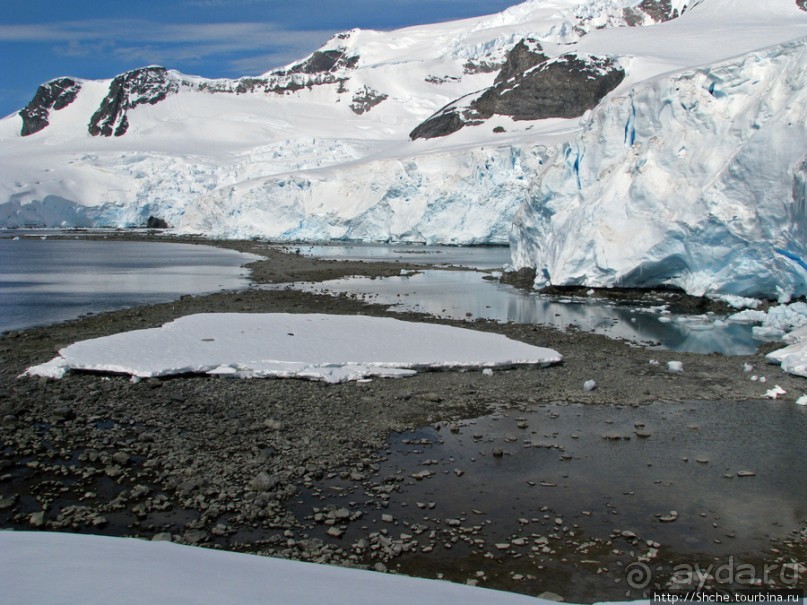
(657, 10)
(154, 222)
(444, 122)
(523, 56)
(56, 94)
(148, 85)
(365, 99)
(322, 61)
(564, 87)
(802, 4)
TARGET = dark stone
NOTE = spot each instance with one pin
(322, 61)
(481, 67)
(148, 85)
(439, 125)
(565, 87)
(659, 10)
(365, 99)
(56, 94)
(154, 222)
(523, 56)
(802, 4)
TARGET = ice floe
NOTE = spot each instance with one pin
(330, 348)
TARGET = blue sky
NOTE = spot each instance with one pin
(94, 39)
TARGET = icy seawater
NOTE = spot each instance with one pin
(469, 295)
(540, 499)
(47, 280)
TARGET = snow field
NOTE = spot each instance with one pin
(331, 348)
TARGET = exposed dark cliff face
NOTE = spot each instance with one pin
(56, 94)
(565, 87)
(365, 99)
(322, 62)
(657, 10)
(148, 85)
(532, 88)
(445, 122)
(523, 56)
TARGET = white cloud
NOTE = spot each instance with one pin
(172, 44)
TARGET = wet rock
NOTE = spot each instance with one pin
(121, 458)
(431, 396)
(36, 519)
(273, 425)
(194, 536)
(162, 537)
(99, 521)
(551, 596)
(669, 518)
(264, 482)
(8, 501)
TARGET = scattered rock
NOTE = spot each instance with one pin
(264, 482)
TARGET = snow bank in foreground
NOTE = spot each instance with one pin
(333, 348)
(51, 568)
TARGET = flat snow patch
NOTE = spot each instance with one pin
(332, 348)
(52, 568)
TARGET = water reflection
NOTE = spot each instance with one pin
(44, 281)
(469, 295)
(473, 257)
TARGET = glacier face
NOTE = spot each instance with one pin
(695, 180)
(691, 172)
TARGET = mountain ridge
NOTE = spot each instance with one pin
(320, 149)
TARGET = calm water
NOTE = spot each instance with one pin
(468, 295)
(48, 280)
(732, 471)
(474, 257)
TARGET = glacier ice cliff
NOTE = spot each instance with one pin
(695, 180)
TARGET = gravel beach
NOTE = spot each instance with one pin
(222, 463)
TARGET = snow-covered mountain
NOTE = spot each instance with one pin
(628, 142)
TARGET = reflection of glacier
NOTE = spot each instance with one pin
(467, 295)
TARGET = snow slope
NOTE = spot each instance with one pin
(54, 568)
(691, 172)
(332, 348)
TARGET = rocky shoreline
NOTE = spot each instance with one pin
(222, 463)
